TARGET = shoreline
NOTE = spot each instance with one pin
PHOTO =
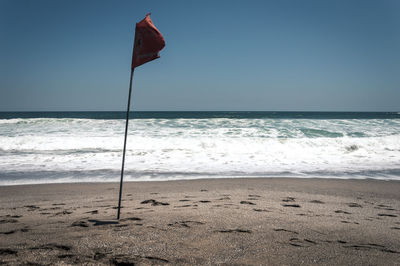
(203, 221)
(210, 179)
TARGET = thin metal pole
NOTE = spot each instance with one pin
(126, 134)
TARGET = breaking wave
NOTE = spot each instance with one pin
(37, 150)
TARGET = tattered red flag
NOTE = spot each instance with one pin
(148, 42)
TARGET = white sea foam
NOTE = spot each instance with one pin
(84, 150)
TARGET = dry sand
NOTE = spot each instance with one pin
(219, 221)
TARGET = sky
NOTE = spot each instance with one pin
(286, 55)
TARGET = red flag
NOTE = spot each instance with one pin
(148, 42)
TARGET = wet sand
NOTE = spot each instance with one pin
(216, 221)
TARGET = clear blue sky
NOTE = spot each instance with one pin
(219, 55)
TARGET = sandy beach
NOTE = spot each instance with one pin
(268, 221)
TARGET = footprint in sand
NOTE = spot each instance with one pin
(8, 251)
(11, 221)
(289, 199)
(387, 215)
(80, 224)
(24, 230)
(317, 201)
(131, 219)
(344, 212)
(224, 198)
(100, 255)
(66, 256)
(354, 205)
(291, 205)
(254, 197)
(301, 242)
(8, 232)
(186, 224)
(347, 222)
(261, 210)
(371, 246)
(64, 212)
(32, 207)
(247, 202)
(93, 212)
(154, 202)
(235, 231)
(285, 230)
(134, 260)
(384, 207)
(186, 205)
(13, 216)
(52, 246)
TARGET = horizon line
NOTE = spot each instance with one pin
(187, 111)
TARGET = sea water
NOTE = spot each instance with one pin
(53, 147)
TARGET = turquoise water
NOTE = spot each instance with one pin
(47, 147)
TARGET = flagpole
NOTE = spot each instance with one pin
(149, 42)
(126, 134)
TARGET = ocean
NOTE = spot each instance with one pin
(55, 147)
